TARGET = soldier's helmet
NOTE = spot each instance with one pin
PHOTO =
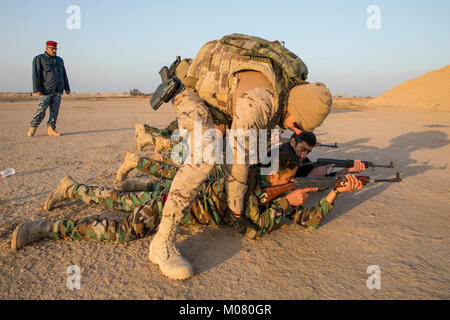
(309, 104)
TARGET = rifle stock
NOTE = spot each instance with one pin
(270, 193)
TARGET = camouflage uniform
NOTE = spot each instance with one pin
(212, 81)
(208, 208)
(166, 132)
(266, 217)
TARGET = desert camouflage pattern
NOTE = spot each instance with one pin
(217, 61)
(256, 47)
(190, 108)
(253, 112)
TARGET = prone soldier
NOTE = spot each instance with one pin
(145, 208)
(301, 145)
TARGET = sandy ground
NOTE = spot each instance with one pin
(402, 228)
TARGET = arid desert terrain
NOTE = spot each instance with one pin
(401, 228)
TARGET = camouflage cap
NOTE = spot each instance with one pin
(309, 104)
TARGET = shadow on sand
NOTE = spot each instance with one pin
(399, 151)
(26, 173)
(201, 248)
(94, 131)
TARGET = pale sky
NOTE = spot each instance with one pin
(123, 44)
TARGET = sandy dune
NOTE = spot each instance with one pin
(402, 228)
(430, 91)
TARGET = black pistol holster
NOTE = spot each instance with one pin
(170, 85)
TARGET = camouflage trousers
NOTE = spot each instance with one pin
(163, 168)
(158, 168)
(190, 108)
(53, 101)
(145, 209)
(166, 132)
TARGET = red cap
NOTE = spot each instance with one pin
(51, 44)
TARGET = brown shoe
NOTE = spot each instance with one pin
(53, 132)
(31, 131)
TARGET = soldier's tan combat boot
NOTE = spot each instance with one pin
(130, 163)
(61, 193)
(31, 131)
(162, 145)
(133, 185)
(29, 232)
(52, 132)
(164, 253)
(141, 137)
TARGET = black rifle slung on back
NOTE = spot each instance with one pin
(345, 163)
(270, 193)
(169, 86)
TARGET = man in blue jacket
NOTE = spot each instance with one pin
(49, 82)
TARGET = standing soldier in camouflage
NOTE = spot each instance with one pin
(49, 82)
(238, 82)
(209, 206)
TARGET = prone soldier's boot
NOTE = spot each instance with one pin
(130, 163)
(31, 131)
(141, 137)
(61, 193)
(29, 232)
(52, 132)
(164, 253)
(162, 144)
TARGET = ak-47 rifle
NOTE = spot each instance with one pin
(345, 163)
(270, 193)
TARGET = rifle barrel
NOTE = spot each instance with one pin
(335, 145)
(390, 165)
(396, 179)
